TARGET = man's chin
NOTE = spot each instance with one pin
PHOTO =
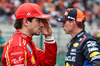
(67, 32)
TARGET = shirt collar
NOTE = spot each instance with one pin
(26, 37)
(78, 35)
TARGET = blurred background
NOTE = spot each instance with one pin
(56, 8)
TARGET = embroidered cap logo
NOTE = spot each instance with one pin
(66, 13)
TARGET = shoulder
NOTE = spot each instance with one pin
(90, 41)
(89, 37)
(17, 41)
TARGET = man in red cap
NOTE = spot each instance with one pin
(20, 50)
(83, 49)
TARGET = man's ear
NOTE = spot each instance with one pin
(25, 21)
(74, 23)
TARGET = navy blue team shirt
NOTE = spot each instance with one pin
(83, 50)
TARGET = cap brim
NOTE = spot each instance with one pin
(61, 19)
(44, 16)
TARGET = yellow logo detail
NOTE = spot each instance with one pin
(94, 54)
(33, 60)
(23, 41)
(67, 64)
(75, 44)
(11, 40)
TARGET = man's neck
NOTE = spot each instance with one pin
(75, 32)
(25, 32)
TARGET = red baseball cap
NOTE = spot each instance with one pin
(72, 14)
(28, 10)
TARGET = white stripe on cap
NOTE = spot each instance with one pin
(38, 10)
(71, 18)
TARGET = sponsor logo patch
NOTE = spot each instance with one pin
(17, 60)
(16, 53)
(93, 49)
(70, 58)
(76, 44)
(94, 54)
(79, 19)
(28, 14)
(73, 50)
(91, 43)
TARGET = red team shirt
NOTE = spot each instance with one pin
(21, 51)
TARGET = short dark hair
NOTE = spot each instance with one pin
(80, 25)
(19, 22)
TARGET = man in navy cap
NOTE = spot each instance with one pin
(83, 48)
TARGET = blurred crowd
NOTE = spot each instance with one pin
(56, 8)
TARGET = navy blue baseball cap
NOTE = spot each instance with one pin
(72, 14)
